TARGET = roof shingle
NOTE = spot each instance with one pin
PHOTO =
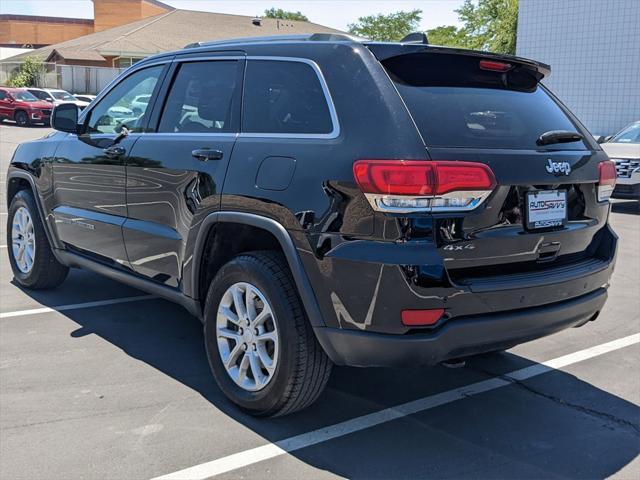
(172, 31)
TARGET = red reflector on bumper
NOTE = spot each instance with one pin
(413, 318)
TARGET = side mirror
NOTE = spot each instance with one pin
(607, 138)
(65, 118)
(10, 99)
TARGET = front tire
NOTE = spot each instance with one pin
(32, 261)
(261, 348)
(22, 119)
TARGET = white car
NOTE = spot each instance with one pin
(624, 149)
(85, 97)
(56, 97)
(139, 103)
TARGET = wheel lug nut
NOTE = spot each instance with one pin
(240, 331)
(255, 347)
(244, 346)
(256, 332)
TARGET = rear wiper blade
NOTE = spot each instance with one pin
(558, 136)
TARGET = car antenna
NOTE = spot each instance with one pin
(416, 37)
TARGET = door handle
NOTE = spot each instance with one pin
(114, 151)
(205, 154)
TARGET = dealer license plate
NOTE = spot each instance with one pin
(546, 209)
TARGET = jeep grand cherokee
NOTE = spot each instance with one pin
(319, 200)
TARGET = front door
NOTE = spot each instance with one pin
(89, 170)
(175, 175)
(5, 105)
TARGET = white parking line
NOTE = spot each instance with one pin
(75, 306)
(271, 450)
(3, 246)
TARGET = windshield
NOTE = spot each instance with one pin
(631, 134)
(63, 96)
(24, 96)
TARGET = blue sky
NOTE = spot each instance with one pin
(333, 13)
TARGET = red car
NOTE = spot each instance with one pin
(23, 107)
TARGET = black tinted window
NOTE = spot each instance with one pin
(284, 97)
(2, 95)
(201, 98)
(455, 104)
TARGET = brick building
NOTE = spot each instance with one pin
(37, 31)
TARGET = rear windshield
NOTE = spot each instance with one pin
(456, 104)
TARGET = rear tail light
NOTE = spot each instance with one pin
(607, 181)
(405, 186)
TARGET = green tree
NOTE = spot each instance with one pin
(29, 74)
(490, 24)
(448, 36)
(387, 28)
(284, 15)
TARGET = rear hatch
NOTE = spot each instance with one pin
(544, 211)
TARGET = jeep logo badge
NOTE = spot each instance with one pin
(558, 168)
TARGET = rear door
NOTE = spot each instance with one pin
(469, 109)
(175, 173)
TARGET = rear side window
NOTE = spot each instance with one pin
(455, 104)
(201, 98)
(284, 97)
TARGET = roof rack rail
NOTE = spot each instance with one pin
(313, 37)
(416, 37)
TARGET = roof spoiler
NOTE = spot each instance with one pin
(384, 51)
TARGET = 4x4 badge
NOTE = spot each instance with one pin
(558, 168)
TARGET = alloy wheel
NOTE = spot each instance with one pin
(23, 240)
(247, 336)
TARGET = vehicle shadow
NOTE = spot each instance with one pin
(552, 425)
(631, 207)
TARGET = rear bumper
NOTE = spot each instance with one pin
(460, 337)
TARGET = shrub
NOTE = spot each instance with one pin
(29, 74)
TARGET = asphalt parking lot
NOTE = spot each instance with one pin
(100, 381)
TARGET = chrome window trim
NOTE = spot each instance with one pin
(335, 132)
(193, 58)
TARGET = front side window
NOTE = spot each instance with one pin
(115, 110)
(201, 98)
(3, 95)
(284, 97)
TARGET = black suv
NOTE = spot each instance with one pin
(317, 200)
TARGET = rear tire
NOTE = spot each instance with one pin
(22, 119)
(38, 269)
(301, 369)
